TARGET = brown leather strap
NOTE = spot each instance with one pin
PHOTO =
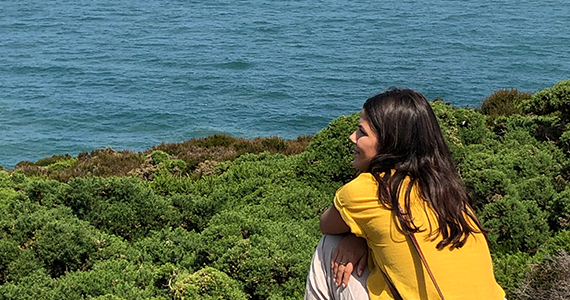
(421, 254)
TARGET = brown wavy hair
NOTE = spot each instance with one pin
(410, 142)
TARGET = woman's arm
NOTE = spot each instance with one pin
(351, 252)
(332, 222)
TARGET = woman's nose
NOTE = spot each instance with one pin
(353, 137)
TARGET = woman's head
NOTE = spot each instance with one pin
(404, 129)
(399, 137)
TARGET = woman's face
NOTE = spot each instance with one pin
(365, 141)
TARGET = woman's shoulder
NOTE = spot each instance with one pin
(363, 185)
(363, 179)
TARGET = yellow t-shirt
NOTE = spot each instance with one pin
(464, 273)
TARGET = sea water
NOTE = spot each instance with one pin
(85, 74)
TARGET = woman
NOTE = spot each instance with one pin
(408, 189)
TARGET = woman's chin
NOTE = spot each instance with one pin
(359, 166)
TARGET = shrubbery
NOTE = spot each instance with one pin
(228, 218)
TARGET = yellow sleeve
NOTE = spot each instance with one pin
(354, 202)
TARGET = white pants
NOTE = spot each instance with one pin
(320, 282)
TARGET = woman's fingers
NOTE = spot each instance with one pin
(342, 268)
(362, 265)
(345, 274)
(338, 269)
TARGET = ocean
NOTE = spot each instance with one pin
(81, 75)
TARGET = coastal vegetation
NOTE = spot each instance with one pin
(228, 218)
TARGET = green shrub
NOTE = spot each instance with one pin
(53, 240)
(36, 285)
(553, 100)
(555, 244)
(538, 189)
(560, 210)
(262, 249)
(554, 103)
(216, 140)
(565, 142)
(177, 247)
(196, 210)
(25, 263)
(503, 102)
(159, 157)
(123, 206)
(486, 186)
(515, 225)
(471, 126)
(65, 245)
(207, 284)
(44, 192)
(118, 278)
(510, 270)
(447, 122)
(9, 252)
(329, 156)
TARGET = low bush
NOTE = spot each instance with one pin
(207, 284)
(124, 206)
(504, 102)
(547, 280)
(515, 226)
(328, 157)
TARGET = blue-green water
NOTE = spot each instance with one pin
(80, 75)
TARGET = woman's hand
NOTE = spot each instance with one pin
(351, 252)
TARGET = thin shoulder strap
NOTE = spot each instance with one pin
(422, 257)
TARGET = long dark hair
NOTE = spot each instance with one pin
(410, 142)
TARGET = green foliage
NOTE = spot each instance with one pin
(260, 247)
(471, 126)
(538, 189)
(565, 141)
(37, 285)
(48, 240)
(554, 100)
(207, 284)
(216, 140)
(115, 277)
(553, 103)
(329, 156)
(159, 157)
(177, 247)
(447, 122)
(510, 270)
(503, 102)
(515, 225)
(123, 206)
(555, 244)
(486, 185)
(54, 159)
